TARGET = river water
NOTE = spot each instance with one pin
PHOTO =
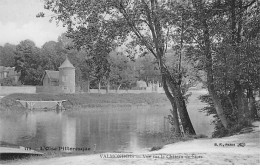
(128, 129)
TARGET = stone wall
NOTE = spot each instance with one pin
(103, 91)
(5, 90)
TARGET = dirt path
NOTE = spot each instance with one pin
(237, 149)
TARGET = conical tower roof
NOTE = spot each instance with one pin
(66, 64)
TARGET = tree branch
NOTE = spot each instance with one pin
(135, 30)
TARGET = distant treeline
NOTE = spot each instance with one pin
(114, 69)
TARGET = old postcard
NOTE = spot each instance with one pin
(129, 82)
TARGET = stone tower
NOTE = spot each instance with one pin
(67, 77)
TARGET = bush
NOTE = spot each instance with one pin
(156, 148)
(6, 82)
(220, 130)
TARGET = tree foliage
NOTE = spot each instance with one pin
(122, 71)
(27, 61)
(90, 70)
(148, 25)
(7, 54)
(223, 47)
(176, 42)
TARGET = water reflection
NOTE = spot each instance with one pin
(110, 129)
(69, 132)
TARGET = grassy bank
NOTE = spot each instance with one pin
(85, 100)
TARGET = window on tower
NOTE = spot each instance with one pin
(64, 78)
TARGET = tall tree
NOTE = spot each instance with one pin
(122, 72)
(220, 42)
(148, 69)
(147, 22)
(7, 54)
(28, 62)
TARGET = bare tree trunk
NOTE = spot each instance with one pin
(88, 83)
(118, 87)
(210, 80)
(159, 45)
(108, 86)
(230, 98)
(246, 108)
(219, 108)
(181, 106)
(209, 63)
(175, 118)
(236, 28)
(99, 86)
(176, 96)
(240, 102)
(180, 102)
(252, 105)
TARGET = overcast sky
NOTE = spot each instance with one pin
(18, 22)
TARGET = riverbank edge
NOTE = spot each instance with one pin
(52, 154)
(86, 100)
(214, 154)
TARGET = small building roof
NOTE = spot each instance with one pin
(66, 64)
(52, 75)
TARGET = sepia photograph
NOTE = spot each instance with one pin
(129, 82)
